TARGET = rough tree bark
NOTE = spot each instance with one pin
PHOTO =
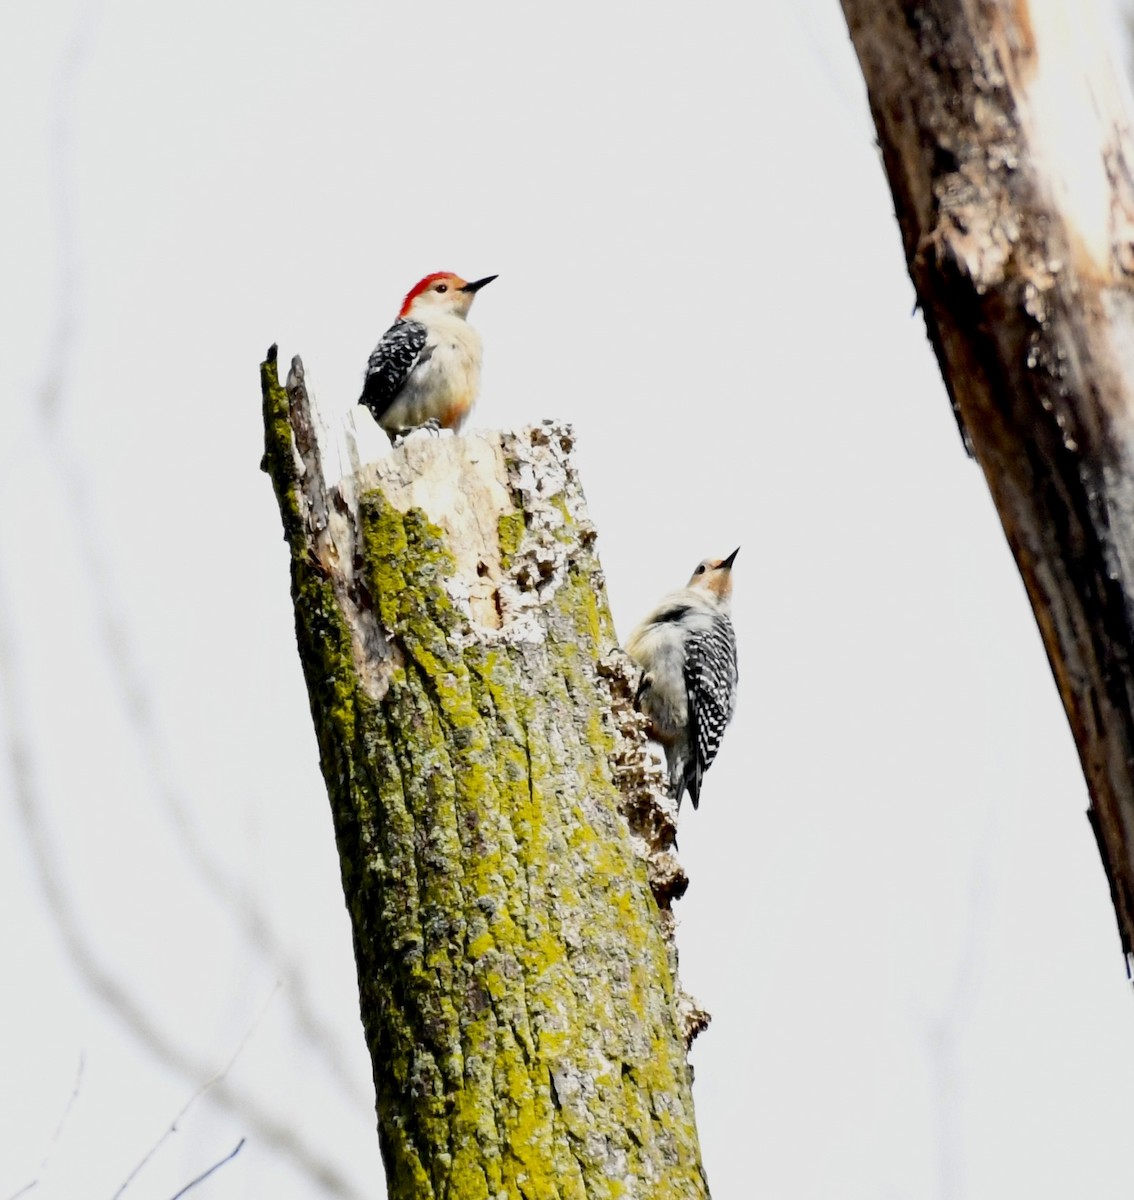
(506, 862)
(1004, 134)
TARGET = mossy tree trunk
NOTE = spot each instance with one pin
(1005, 139)
(504, 857)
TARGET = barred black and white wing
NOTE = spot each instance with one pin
(710, 684)
(397, 353)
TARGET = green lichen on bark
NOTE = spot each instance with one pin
(516, 989)
(279, 461)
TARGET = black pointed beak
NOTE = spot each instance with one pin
(726, 563)
(477, 284)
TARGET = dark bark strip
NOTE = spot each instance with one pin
(1023, 273)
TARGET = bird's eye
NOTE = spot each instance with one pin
(700, 569)
(441, 287)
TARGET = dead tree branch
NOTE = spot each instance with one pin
(1004, 135)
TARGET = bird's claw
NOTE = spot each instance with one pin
(430, 428)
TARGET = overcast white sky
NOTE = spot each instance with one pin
(897, 915)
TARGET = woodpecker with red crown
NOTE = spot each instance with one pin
(425, 371)
(686, 648)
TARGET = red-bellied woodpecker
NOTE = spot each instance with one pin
(686, 648)
(425, 370)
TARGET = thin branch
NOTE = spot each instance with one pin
(126, 673)
(61, 346)
(30, 806)
(130, 679)
(56, 1135)
(206, 1086)
(66, 1112)
(215, 1167)
(18, 744)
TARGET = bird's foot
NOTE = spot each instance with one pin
(430, 428)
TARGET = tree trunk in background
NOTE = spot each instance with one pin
(1004, 135)
(506, 864)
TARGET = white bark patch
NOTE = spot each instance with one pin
(1071, 109)
(459, 483)
(542, 476)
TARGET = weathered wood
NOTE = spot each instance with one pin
(1005, 139)
(476, 735)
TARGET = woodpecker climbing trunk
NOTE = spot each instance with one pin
(1004, 136)
(505, 863)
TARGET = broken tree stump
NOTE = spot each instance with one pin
(506, 860)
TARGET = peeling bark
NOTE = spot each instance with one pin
(1005, 139)
(506, 851)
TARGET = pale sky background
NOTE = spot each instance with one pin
(897, 914)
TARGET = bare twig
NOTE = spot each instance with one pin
(30, 809)
(129, 677)
(18, 743)
(126, 672)
(66, 1113)
(209, 1083)
(56, 1135)
(61, 345)
(215, 1167)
